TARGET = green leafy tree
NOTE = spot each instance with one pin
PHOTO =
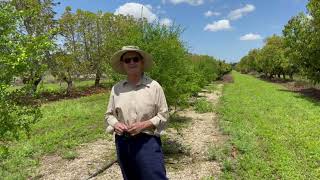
(302, 41)
(68, 67)
(249, 63)
(312, 63)
(38, 25)
(16, 115)
(297, 35)
(271, 59)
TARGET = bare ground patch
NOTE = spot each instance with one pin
(91, 157)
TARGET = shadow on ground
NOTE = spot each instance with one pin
(310, 94)
(303, 89)
(178, 122)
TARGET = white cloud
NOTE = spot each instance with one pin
(135, 9)
(210, 13)
(166, 22)
(191, 2)
(250, 37)
(239, 13)
(223, 24)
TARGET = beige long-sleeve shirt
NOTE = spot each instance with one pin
(133, 103)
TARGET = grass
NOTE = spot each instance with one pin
(202, 106)
(217, 153)
(58, 87)
(275, 132)
(70, 155)
(61, 87)
(212, 87)
(208, 178)
(65, 125)
(178, 122)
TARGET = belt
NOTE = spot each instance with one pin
(126, 135)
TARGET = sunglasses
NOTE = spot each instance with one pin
(134, 59)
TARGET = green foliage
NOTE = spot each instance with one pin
(70, 155)
(297, 51)
(302, 40)
(271, 60)
(271, 56)
(214, 153)
(221, 153)
(249, 63)
(202, 106)
(180, 74)
(272, 140)
(212, 87)
(206, 69)
(37, 26)
(16, 115)
(171, 63)
(207, 178)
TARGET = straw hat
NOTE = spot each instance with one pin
(116, 59)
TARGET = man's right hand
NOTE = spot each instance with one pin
(119, 128)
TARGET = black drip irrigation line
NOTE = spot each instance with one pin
(105, 167)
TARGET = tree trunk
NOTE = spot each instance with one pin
(35, 84)
(69, 88)
(70, 85)
(271, 76)
(284, 76)
(98, 77)
(279, 76)
(291, 76)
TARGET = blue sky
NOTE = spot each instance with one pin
(225, 29)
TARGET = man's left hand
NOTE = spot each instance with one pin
(137, 127)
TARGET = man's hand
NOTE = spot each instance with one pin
(119, 128)
(137, 127)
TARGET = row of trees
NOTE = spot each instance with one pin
(90, 39)
(296, 51)
(33, 44)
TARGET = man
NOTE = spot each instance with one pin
(137, 112)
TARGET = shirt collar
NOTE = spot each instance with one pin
(143, 80)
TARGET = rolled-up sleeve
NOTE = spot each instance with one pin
(110, 118)
(162, 114)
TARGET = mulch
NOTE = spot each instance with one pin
(49, 97)
(302, 88)
(311, 92)
(227, 78)
(46, 97)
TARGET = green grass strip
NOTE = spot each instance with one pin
(276, 132)
(65, 125)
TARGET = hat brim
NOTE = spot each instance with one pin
(118, 67)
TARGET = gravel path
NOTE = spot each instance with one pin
(198, 136)
(189, 162)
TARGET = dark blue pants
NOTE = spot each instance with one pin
(140, 157)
